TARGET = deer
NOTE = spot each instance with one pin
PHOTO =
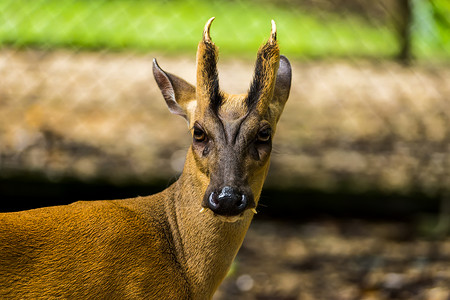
(176, 244)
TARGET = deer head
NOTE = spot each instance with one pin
(232, 134)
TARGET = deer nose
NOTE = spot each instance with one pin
(227, 202)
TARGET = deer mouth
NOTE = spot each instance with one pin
(229, 219)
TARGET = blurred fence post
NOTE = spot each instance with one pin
(402, 22)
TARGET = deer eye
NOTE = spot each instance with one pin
(264, 135)
(199, 135)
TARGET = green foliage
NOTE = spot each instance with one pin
(441, 15)
(176, 26)
(431, 27)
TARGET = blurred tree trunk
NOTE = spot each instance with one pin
(403, 21)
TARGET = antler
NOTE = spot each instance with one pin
(207, 75)
(206, 36)
(273, 33)
(266, 67)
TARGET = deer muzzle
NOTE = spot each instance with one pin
(228, 201)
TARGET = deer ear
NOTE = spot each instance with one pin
(177, 92)
(281, 89)
(283, 81)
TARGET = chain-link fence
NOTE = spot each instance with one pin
(78, 99)
(369, 111)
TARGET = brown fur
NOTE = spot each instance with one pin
(87, 250)
(163, 246)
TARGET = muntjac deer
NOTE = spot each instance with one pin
(179, 243)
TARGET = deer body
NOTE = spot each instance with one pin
(86, 250)
(120, 249)
(177, 244)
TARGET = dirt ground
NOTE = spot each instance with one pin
(338, 259)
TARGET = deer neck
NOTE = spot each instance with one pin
(206, 245)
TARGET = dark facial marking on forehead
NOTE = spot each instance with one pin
(264, 75)
(211, 77)
(255, 89)
(232, 128)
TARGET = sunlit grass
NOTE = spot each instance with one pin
(176, 26)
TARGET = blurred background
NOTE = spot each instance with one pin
(357, 202)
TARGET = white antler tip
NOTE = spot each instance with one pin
(206, 36)
(202, 210)
(273, 33)
(254, 210)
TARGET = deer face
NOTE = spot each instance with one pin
(231, 134)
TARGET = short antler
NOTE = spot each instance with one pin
(207, 76)
(206, 36)
(273, 33)
(266, 67)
